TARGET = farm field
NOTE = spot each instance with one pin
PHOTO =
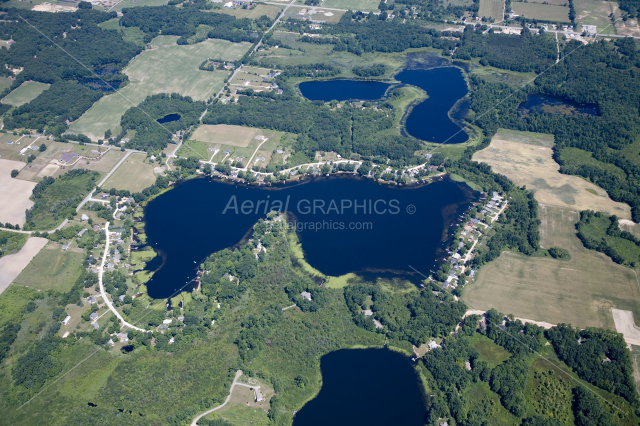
(166, 69)
(594, 12)
(134, 174)
(131, 34)
(260, 10)
(362, 5)
(580, 291)
(137, 3)
(16, 190)
(5, 82)
(52, 268)
(28, 91)
(12, 265)
(18, 4)
(525, 158)
(545, 12)
(552, 2)
(492, 9)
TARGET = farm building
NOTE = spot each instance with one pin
(66, 320)
(258, 395)
(68, 156)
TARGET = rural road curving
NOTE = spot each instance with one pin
(235, 382)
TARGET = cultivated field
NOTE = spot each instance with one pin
(580, 291)
(12, 265)
(226, 134)
(135, 174)
(545, 12)
(552, 2)
(16, 190)
(596, 12)
(363, 5)
(525, 158)
(166, 69)
(52, 268)
(28, 91)
(492, 9)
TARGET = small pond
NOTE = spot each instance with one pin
(540, 104)
(373, 387)
(102, 85)
(169, 118)
(343, 90)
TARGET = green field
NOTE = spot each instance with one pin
(596, 229)
(260, 10)
(131, 34)
(11, 242)
(596, 12)
(362, 5)
(135, 174)
(492, 9)
(166, 69)
(28, 91)
(52, 269)
(580, 291)
(545, 12)
(138, 3)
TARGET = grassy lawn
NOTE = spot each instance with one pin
(135, 174)
(239, 414)
(5, 82)
(11, 242)
(52, 269)
(526, 159)
(580, 291)
(167, 69)
(546, 12)
(28, 91)
(492, 9)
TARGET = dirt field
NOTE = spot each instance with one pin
(28, 91)
(492, 9)
(525, 158)
(53, 8)
(134, 174)
(12, 265)
(544, 12)
(226, 134)
(625, 324)
(580, 291)
(166, 69)
(52, 268)
(15, 194)
(596, 12)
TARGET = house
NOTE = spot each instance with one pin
(258, 395)
(590, 29)
(96, 228)
(123, 337)
(110, 342)
(433, 345)
(377, 324)
(306, 295)
(167, 321)
(93, 316)
(368, 312)
(457, 256)
(66, 320)
(91, 300)
(279, 151)
(68, 156)
(65, 247)
(121, 298)
(230, 4)
(82, 232)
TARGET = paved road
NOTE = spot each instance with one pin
(235, 382)
(305, 6)
(104, 293)
(115, 167)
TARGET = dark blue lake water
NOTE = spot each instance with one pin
(373, 387)
(540, 104)
(169, 118)
(356, 226)
(343, 90)
(429, 120)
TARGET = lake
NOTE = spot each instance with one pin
(343, 90)
(344, 224)
(169, 118)
(365, 387)
(429, 120)
(541, 103)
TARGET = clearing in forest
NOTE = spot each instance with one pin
(492, 9)
(526, 159)
(226, 134)
(135, 174)
(165, 69)
(28, 91)
(580, 291)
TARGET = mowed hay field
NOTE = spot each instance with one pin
(52, 269)
(580, 291)
(526, 159)
(363, 5)
(260, 10)
(596, 12)
(28, 91)
(165, 69)
(545, 12)
(226, 134)
(492, 9)
(16, 191)
(135, 174)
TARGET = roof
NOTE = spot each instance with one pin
(306, 295)
(167, 321)
(259, 396)
(95, 325)
(93, 316)
(68, 156)
(81, 233)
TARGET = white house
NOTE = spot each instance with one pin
(230, 4)
(66, 320)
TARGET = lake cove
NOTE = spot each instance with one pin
(429, 120)
(373, 387)
(344, 224)
(343, 90)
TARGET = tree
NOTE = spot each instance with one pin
(42, 148)
(14, 173)
(84, 5)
